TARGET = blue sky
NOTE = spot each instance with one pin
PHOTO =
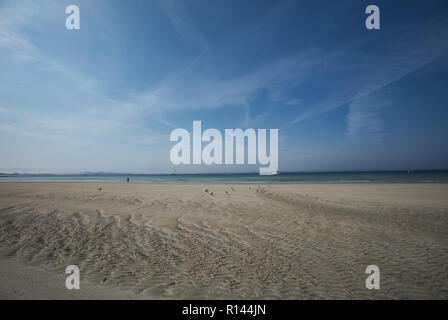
(107, 96)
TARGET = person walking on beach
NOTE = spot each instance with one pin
(128, 180)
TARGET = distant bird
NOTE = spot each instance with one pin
(100, 189)
(227, 192)
(212, 194)
(206, 190)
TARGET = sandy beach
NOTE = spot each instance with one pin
(176, 241)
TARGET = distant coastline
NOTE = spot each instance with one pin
(403, 176)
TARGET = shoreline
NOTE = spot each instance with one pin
(230, 182)
(360, 177)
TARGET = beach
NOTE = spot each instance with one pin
(246, 241)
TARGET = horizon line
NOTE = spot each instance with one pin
(223, 173)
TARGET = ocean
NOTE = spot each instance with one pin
(423, 176)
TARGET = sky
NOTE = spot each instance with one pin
(107, 96)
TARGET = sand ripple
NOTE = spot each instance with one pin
(258, 243)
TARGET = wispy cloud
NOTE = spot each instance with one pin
(50, 100)
(364, 119)
(179, 17)
(381, 67)
(196, 87)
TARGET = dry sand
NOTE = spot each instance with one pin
(158, 241)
